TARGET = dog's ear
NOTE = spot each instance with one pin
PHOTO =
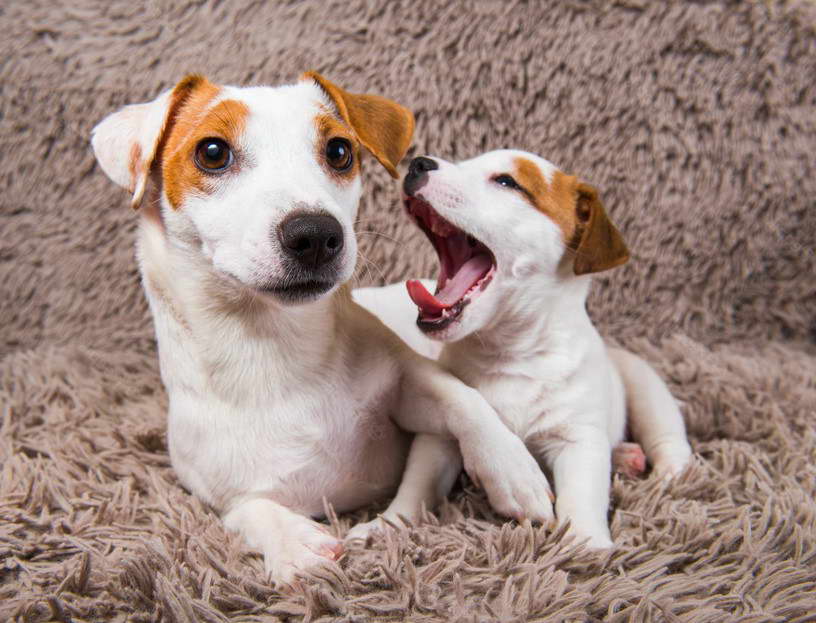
(600, 245)
(128, 142)
(384, 127)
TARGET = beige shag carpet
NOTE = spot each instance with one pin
(698, 122)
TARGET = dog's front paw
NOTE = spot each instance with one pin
(670, 459)
(511, 477)
(306, 548)
(595, 541)
(369, 529)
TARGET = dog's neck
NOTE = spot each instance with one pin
(215, 323)
(526, 328)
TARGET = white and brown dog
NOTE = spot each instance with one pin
(517, 241)
(284, 393)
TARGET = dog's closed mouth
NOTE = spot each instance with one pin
(298, 291)
(466, 268)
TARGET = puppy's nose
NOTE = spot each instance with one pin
(313, 240)
(418, 174)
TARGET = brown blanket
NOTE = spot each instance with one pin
(698, 122)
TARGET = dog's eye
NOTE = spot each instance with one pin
(338, 154)
(507, 181)
(213, 154)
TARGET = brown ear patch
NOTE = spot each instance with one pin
(194, 121)
(600, 244)
(135, 165)
(578, 212)
(382, 126)
(555, 199)
(140, 167)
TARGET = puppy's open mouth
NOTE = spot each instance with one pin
(466, 267)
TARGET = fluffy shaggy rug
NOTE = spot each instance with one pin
(698, 122)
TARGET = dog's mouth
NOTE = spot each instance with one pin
(298, 291)
(466, 267)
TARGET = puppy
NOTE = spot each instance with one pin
(283, 393)
(518, 241)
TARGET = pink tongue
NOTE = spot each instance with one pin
(469, 273)
(427, 303)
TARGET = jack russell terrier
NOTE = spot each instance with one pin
(283, 393)
(518, 241)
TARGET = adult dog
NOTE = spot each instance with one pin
(283, 393)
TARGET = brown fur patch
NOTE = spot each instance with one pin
(600, 244)
(134, 165)
(329, 127)
(383, 127)
(196, 120)
(556, 199)
(576, 209)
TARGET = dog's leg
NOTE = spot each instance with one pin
(653, 416)
(291, 543)
(582, 470)
(434, 401)
(392, 305)
(432, 468)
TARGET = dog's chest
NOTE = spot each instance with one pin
(325, 436)
(530, 395)
(526, 405)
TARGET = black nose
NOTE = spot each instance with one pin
(418, 174)
(313, 240)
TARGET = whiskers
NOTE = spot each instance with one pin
(368, 265)
(365, 223)
(371, 232)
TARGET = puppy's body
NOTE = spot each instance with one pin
(528, 369)
(518, 241)
(283, 393)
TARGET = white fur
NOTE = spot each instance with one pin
(276, 408)
(529, 347)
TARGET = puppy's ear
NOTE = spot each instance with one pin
(126, 143)
(384, 127)
(600, 244)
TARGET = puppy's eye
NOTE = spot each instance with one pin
(338, 154)
(213, 155)
(507, 181)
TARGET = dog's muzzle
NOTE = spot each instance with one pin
(311, 245)
(417, 175)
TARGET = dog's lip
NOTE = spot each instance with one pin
(467, 266)
(308, 286)
(430, 325)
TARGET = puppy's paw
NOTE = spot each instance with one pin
(628, 459)
(369, 529)
(595, 537)
(671, 468)
(389, 520)
(511, 477)
(670, 459)
(598, 541)
(306, 548)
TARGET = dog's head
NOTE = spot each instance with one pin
(508, 228)
(263, 182)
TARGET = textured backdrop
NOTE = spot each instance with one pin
(697, 120)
